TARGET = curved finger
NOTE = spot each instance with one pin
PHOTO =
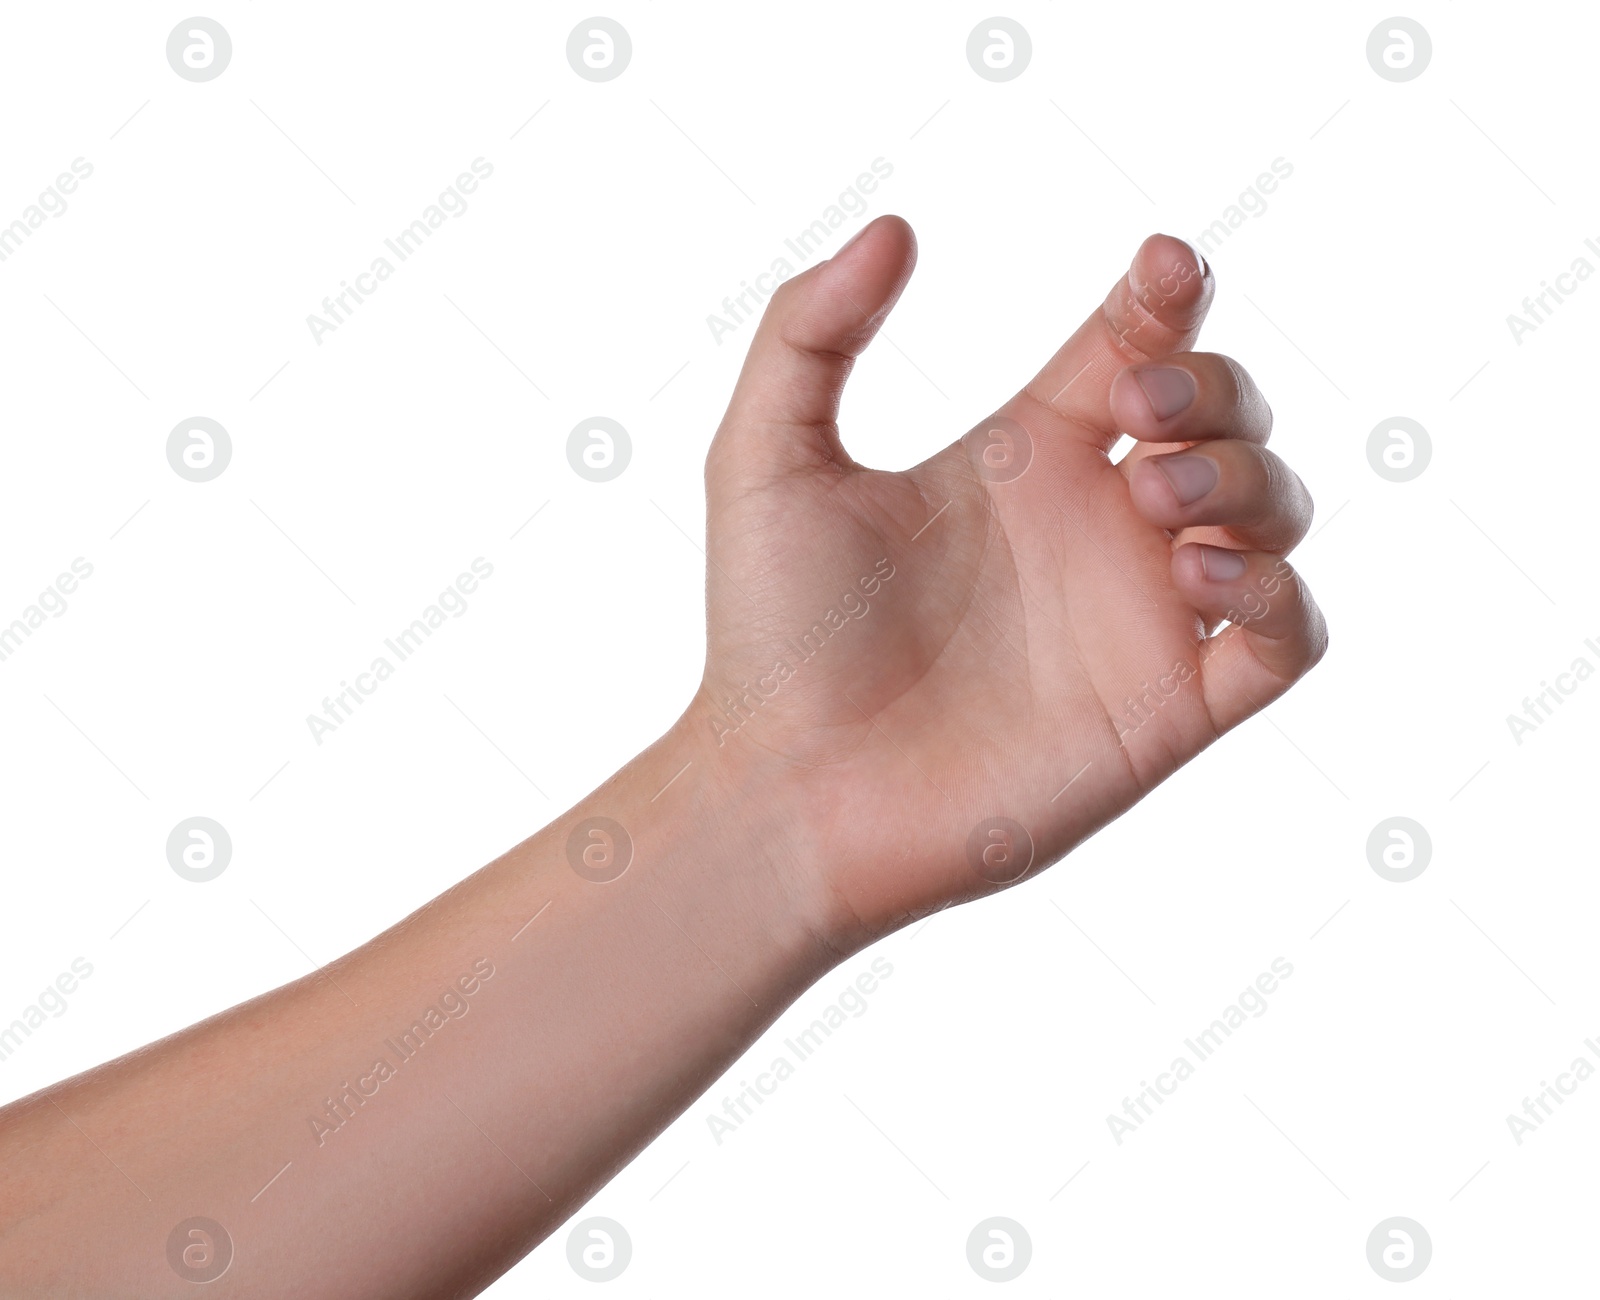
(1276, 634)
(1237, 486)
(1190, 397)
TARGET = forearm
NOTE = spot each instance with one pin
(431, 1105)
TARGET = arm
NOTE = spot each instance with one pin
(920, 687)
(524, 1060)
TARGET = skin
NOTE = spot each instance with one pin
(990, 631)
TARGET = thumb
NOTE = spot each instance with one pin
(786, 402)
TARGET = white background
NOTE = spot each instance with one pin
(426, 431)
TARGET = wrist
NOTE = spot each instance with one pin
(756, 830)
(729, 854)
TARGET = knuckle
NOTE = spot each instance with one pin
(1280, 495)
(1292, 499)
(1238, 392)
(1316, 633)
(1233, 380)
(1308, 504)
(780, 306)
(1261, 484)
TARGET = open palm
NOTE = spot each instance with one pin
(962, 670)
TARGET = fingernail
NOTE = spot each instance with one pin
(1168, 389)
(1199, 257)
(1220, 565)
(1191, 477)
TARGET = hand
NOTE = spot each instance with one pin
(1017, 628)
